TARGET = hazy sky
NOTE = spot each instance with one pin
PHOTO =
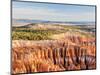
(52, 12)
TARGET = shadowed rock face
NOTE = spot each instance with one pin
(74, 53)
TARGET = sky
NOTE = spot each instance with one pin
(52, 12)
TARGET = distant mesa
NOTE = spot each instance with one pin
(22, 22)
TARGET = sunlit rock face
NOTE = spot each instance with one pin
(72, 53)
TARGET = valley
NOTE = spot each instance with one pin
(47, 48)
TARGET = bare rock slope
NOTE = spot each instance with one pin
(68, 53)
